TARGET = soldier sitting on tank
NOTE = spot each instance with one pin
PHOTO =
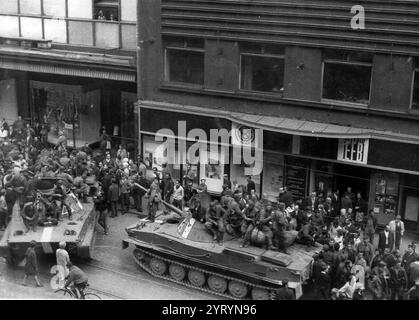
(197, 210)
(30, 216)
(263, 224)
(305, 235)
(279, 223)
(60, 193)
(51, 215)
(249, 214)
(214, 221)
(81, 189)
(234, 217)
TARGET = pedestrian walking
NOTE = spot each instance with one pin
(102, 208)
(62, 259)
(113, 197)
(397, 228)
(31, 265)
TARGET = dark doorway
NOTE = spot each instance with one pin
(358, 178)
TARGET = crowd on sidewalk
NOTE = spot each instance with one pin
(349, 265)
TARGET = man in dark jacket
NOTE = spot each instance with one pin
(31, 265)
(324, 283)
(250, 185)
(398, 281)
(113, 197)
(386, 239)
(101, 206)
(285, 293)
(286, 197)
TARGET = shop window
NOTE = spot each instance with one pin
(415, 98)
(106, 10)
(263, 73)
(347, 77)
(184, 61)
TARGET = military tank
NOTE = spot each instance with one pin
(178, 248)
(78, 233)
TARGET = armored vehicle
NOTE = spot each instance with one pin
(178, 248)
(78, 233)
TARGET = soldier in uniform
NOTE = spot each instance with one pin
(153, 199)
(249, 221)
(81, 189)
(214, 221)
(30, 216)
(279, 225)
(263, 224)
(234, 216)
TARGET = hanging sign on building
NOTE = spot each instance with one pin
(353, 150)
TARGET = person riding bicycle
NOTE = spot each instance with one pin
(78, 278)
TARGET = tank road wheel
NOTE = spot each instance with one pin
(237, 289)
(139, 255)
(196, 278)
(217, 284)
(177, 272)
(158, 266)
(260, 294)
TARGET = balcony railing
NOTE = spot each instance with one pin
(72, 31)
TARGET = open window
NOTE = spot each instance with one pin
(415, 95)
(347, 77)
(184, 61)
(106, 10)
(262, 68)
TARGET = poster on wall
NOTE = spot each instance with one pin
(296, 176)
(273, 174)
(386, 198)
(212, 170)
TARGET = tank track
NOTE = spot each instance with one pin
(142, 263)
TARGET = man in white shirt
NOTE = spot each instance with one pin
(397, 228)
(178, 194)
(62, 259)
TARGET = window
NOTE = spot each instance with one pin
(262, 68)
(184, 61)
(415, 99)
(347, 77)
(106, 10)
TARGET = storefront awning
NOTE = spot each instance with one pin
(287, 125)
(72, 71)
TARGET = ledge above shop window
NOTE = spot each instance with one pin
(278, 99)
(239, 93)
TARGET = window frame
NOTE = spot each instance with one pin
(265, 55)
(412, 87)
(354, 63)
(166, 70)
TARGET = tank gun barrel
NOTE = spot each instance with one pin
(166, 204)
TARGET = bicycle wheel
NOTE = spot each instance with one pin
(91, 296)
(64, 292)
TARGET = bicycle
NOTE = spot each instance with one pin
(83, 294)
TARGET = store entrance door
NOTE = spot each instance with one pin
(358, 178)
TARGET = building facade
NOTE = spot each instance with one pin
(71, 63)
(338, 107)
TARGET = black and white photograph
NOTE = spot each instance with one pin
(209, 153)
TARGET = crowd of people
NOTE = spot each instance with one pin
(348, 266)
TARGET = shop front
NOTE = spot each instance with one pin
(302, 161)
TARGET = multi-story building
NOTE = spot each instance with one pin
(338, 106)
(70, 60)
